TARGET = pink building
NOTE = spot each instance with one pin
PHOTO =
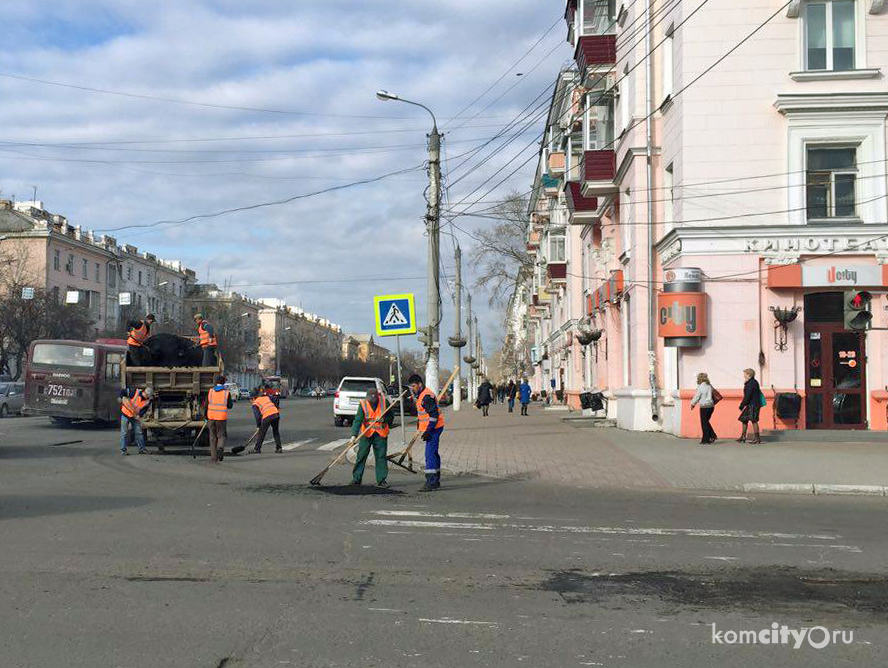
(712, 224)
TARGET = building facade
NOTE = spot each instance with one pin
(686, 221)
(362, 348)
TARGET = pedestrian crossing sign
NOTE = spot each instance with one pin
(395, 314)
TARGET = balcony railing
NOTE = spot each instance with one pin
(598, 172)
(595, 51)
(577, 202)
(557, 271)
(556, 163)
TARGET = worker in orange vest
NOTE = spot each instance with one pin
(219, 402)
(430, 424)
(133, 405)
(206, 338)
(267, 414)
(137, 333)
(372, 416)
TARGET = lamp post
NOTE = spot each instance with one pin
(433, 229)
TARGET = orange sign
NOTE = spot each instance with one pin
(681, 314)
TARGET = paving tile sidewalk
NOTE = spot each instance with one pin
(545, 447)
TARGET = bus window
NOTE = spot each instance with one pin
(112, 366)
(60, 354)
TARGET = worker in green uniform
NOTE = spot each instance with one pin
(372, 415)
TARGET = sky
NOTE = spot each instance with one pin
(302, 77)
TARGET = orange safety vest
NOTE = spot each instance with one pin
(132, 406)
(217, 405)
(422, 415)
(373, 422)
(206, 341)
(137, 335)
(266, 407)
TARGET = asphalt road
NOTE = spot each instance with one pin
(162, 560)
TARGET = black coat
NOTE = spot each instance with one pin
(485, 393)
(751, 394)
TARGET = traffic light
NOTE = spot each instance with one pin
(856, 308)
(422, 334)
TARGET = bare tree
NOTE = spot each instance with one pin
(501, 254)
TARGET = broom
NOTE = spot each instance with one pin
(317, 479)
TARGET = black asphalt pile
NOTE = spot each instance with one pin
(170, 350)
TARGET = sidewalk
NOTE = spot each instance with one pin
(542, 446)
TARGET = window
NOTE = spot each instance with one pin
(140, 278)
(129, 272)
(98, 273)
(600, 122)
(112, 277)
(557, 247)
(831, 181)
(85, 267)
(830, 35)
(112, 366)
(598, 17)
(69, 267)
(668, 66)
(57, 260)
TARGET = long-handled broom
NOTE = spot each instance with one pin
(406, 451)
(317, 479)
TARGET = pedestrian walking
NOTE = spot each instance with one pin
(752, 402)
(219, 402)
(430, 424)
(372, 417)
(501, 390)
(706, 397)
(137, 333)
(485, 396)
(524, 395)
(133, 405)
(267, 414)
(206, 338)
(511, 391)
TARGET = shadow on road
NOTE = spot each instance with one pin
(20, 506)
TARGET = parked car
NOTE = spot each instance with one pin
(12, 398)
(234, 390)
(306, 392)
(243, 393)
(348, 397)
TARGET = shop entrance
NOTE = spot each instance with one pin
(835, 376)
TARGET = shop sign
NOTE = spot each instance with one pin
(841, 274)
(681, 314)
(683, 275)
(814, 244)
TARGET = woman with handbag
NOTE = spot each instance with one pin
(707, 397)
(753, 399)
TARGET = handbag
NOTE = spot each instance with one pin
(762, 401)
(716, 396)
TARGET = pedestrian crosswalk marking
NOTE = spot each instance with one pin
(297, 444)
(332, 445)
(395, 318)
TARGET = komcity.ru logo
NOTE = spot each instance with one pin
(817, 637)
(841, 275)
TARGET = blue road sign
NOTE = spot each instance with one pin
(395, 314)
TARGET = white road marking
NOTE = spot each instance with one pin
(447, 620)
(633, 531)
(726, 498)
(420, 513)
(722, 558)
(386, 610)
(298, 444)
(332, 445)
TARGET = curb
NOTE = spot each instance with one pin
(816, 489)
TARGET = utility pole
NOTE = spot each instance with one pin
(478, 350)
(433, 228)
(469, 355)
(458, 341)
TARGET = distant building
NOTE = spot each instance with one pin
(290, 331)
(362, 348)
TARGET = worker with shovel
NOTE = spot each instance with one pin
(133, 405)
(430, 424)
(267, 414)
(374, 420)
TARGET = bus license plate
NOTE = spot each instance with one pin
(59, 391)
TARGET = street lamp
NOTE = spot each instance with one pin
(433, 228)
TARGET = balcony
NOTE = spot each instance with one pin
(550, 183)
(582, 209)
(557, 272)
(598, 172)
(595, 51)
(533, 241)
(556, 163)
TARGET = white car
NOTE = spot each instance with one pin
(349, 395)
(233, 390)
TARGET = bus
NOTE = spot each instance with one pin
(73, 381)
(275, 386)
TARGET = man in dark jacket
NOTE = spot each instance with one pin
(133, 406)
(267, 412)
(137, 332)
(511, 391)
